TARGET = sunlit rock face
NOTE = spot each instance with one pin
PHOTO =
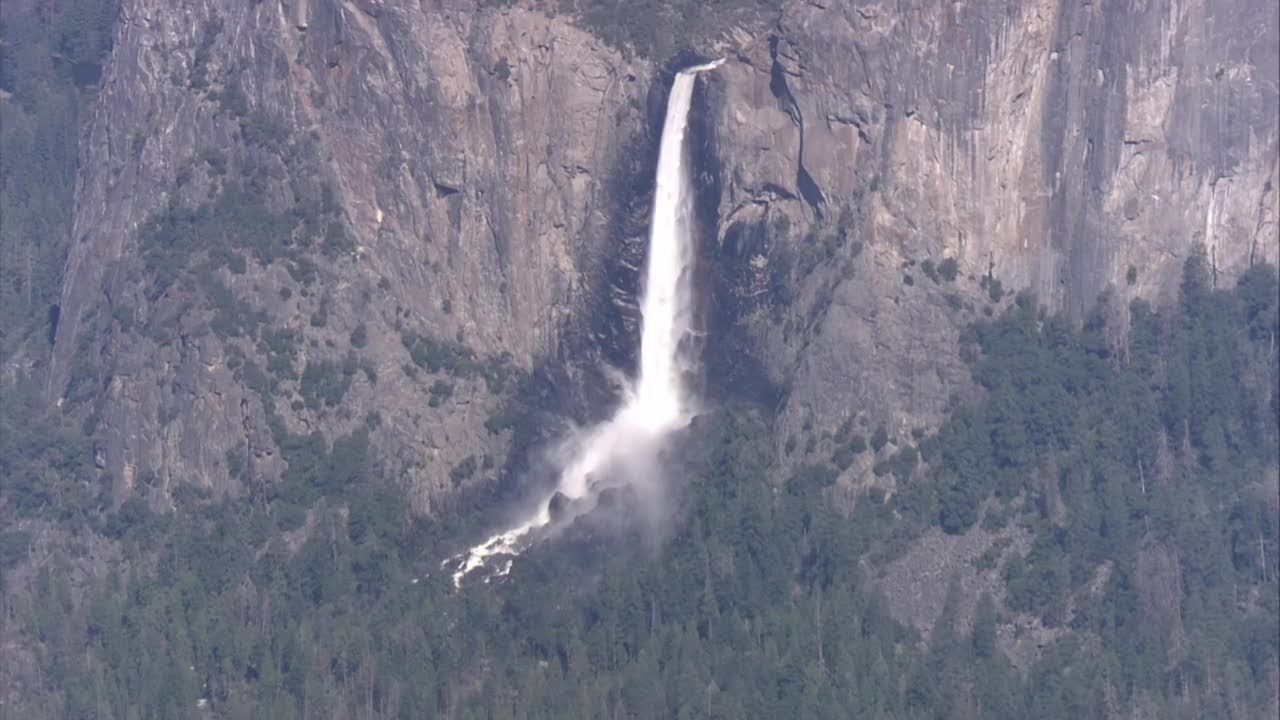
(491, 171)
(1063, 148)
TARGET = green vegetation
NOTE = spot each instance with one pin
(457, 360)
(437, 356)
(993, 286)
(900, 464)
(1200, 389)
(944, 271)
(502, 69)
(50, 63)
(280, 347)
(233, 100)
(929, 270)
(200, 61)
(1148, 454)
(320, 317)
(756, 607)
(465, 470)
(238, 220)
(949, 269)
(235, 618)
(359, 336)
(843, 457)
(879, 438)
(46, 463)
(441, 391)
(232, 317)
(325, 383)
(849, 445)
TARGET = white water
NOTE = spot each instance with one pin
(659, 401)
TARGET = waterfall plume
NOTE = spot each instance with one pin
(658, 401)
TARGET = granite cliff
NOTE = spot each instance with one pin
(464, 186)
(1068, 149)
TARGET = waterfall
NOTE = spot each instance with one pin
(658, 401)
(667, 310)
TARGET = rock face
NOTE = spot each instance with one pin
(467, 175)
(1060, 147)
(467, 157)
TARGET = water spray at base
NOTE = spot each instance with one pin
(658, 403)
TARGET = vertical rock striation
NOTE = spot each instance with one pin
(1060, 147)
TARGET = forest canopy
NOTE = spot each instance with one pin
(1149, 452)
